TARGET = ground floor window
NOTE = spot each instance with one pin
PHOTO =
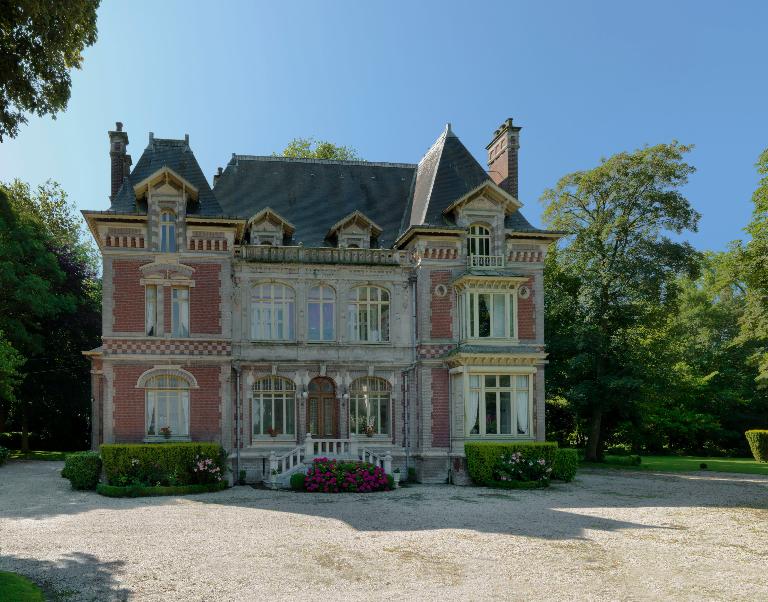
(167, 406)
(498, 404)
(369, 406)
(274, 401)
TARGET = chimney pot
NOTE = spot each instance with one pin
(120, 161)
(186, 139)
(119, 126)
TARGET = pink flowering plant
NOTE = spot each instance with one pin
(206, 470)
(332, 476)
(516, 466)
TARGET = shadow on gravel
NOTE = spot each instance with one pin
(73, 577)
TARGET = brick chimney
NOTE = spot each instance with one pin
(502, 156)
(120, 161)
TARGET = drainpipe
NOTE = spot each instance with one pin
(411, 368)
(237, 421)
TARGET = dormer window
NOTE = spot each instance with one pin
(479, 241)
(167, 232)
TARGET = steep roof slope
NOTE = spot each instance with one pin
(314, 194)
(176, 155)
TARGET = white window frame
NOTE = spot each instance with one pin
(322, 302)
(469, 314)
(167, 231)
(272, 318)
(265, 390)
(361, 308)
(479, 239)
(166, 390)
(151, 297)
(370, 393)
(180, 312)
(482, 388)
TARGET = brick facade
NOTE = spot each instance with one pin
(128, 296)
(128, 403)
(441, 321)
(440, 402)
(205, 299)
(205, 404)
(526, 313)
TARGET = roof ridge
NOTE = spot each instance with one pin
(236, 158)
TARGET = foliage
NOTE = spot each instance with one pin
(490, 463)
(154, 490)
(4, 453)
(673, 463)
(10, 363)
(333, 476)
(758, 443)
(163, 463)
(83, 469)
(617, 270)
(309, 148)
(297, 481)
(565, 464)
(19, 588)
(40, 43)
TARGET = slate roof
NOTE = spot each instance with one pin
(176, 155)
(315, 194)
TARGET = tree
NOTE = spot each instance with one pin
(618, 216)
(309, 148)
(754, 269)
(10, 362)
(40, 42)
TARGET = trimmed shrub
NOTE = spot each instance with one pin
(565, 464)
(490, 463)
(297, 481)
(332, 476)
(758, 443)
(148, 491)
(82, 469)
(4, 453)
(163, 464)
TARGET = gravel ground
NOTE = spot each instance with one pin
(608, 535)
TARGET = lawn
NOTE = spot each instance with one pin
(56, 456)
(687, 464)
(18, 588)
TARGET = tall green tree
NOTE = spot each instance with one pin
(619, 216)
(309, 148)
(40, 43)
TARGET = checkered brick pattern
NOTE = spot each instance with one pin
(429, 352)
(167, 347)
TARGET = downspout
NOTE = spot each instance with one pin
(411, 369)
(237, 421)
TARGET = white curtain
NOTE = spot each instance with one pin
(470, 418)
(151, 424)
(184, 312)
(521, 399)
(151, 296)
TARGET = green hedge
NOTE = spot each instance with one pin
(145, 491)
(83, 469)
(165, 463)
(484, 458)
(758, 443)
(297, 481)
(565, 464)
(4, 453)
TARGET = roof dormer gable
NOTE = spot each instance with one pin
(165, 183)
(355, 229)
(485, 197)
(269, 227)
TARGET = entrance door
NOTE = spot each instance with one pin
(322, 409)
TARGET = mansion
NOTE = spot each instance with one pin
(304, 307)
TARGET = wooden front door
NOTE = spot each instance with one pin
(323, 409)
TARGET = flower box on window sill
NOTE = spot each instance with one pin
(164, 439)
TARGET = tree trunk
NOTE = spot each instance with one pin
(24, 429)
(594, 451)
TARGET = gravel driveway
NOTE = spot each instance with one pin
(609, 535)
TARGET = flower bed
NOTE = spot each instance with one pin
(333, 476)
(147, 491)
(510, 465)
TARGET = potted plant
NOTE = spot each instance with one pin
(273, 478)
(166, 432)
(396, 477)
(370, 428)
(272, 432)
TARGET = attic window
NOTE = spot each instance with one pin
(168, 232)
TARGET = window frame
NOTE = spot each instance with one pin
(286, 303)
(469, 314)
(357, 393)
(483, 389)
(168, 222)
(166, 383)
(475, 238)
(151, 314)
(286, 396)
(180, 319)
(357, 304)
(322, 302)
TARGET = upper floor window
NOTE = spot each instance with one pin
(488, 314)
(272, 312)
(368, 310)
(369, 406)
(168, 232)
(150, 304)
(479, 241)
(274, 400)
(167, 406)
(180, 312)
(321, 305)
(498, 404)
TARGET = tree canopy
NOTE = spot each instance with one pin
(40, 43)
(309, 148)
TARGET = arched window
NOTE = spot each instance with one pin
(368, 310)
(272, 312)
(479, 241)
(167, 406)
(321, 306)
(168, 231)
(274, 400)
(369, 406)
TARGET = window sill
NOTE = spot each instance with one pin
(164, 439)
(373, 439)
(277, 439)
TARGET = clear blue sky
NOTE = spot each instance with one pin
(584, 79)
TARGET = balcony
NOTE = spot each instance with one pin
(485, 261)
(332, 255)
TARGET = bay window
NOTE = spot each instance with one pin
(321, 307)
(369, 406)
(488, 314)
(498, 405)
(273, 407)
(167, 406)
(180, 312)
(272, 312)
(368, 311)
